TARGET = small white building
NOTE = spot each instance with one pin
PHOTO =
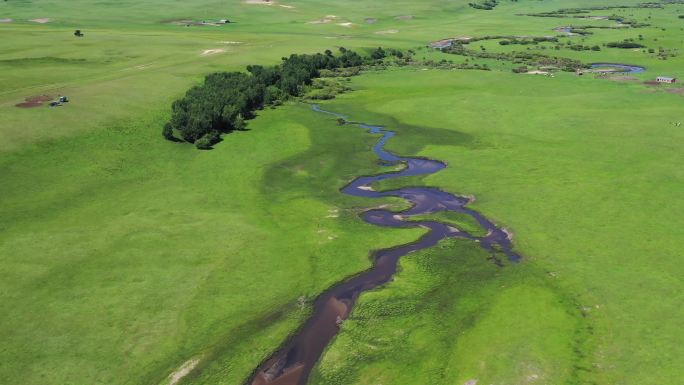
(665, 79)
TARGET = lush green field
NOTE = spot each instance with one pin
(452, 316)
(122, 256)
(119, 266)
(585, 173)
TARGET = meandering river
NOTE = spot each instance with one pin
(292, 364)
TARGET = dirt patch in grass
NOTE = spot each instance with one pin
(326, 20)
(404, 17)
(188, 23)
(387, 32)
(34, 101)
(213, 51)
(370, 20)
(623, 78)
(268, 2)
(183, 371)
(41, 20)
(178, 22)
(6, 20)
(671, 90)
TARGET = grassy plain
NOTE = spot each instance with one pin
(123, 256)
(120, 265)
(451, 316)
(583, 171)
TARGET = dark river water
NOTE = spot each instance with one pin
(625, 68)
(293, 362)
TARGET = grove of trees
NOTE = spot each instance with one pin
(226, 99)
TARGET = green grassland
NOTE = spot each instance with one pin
(452, 316)
(588, 192)
(119, 266)
(122, 256)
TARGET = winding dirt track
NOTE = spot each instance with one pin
(292, 364)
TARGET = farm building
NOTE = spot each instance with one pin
(665, 79)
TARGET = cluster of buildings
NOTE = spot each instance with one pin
(448, 43)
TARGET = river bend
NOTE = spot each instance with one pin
(293, 362)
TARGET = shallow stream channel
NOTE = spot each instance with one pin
(293, 362)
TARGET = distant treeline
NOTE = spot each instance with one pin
(227, 99)
(624, 44)
(564, 12)
(487, 5)
(522, 58)
(526, 41)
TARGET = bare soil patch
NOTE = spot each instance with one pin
(188, 23)
(326, 20)
(6, 20)
(213, 51)
(622, 78)
(260, 2)
(42, 20)
(404, 17)
(34, 101)
(370, 20)
(181, 22)
(183, 371)
(387, 32)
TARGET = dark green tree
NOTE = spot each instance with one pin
(167, 132)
